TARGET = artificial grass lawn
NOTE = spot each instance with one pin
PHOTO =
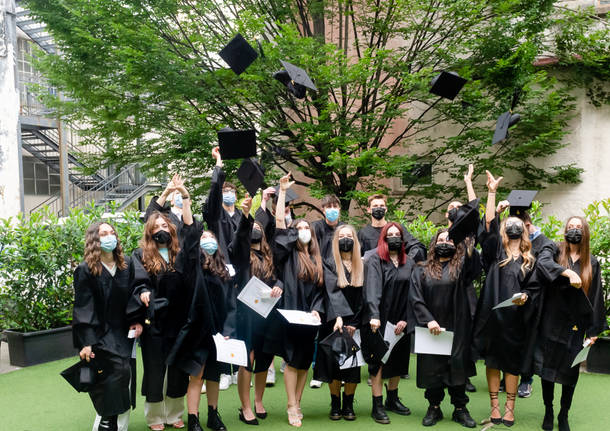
(37, 398)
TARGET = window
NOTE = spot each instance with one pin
(38, 179)
(420, 173)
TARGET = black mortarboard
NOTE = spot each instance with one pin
(295, 79)
(466, 223)
(251, 175)
(520, 201)
(373, 346)
(81, 375)
(238, 54)
(290, 195)
(341, 345)
(447, 84)
(236, 144)
(505, 121)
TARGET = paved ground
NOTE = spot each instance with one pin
(5, 366)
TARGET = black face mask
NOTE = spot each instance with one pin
(256, 236)
(573, 236)
(378, 213)
(162, 237)
(394, 243)
(452, 214)
(444, 249)
(514, 231)
(346, 244)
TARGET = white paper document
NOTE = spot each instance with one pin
(582, 355)
(230, 351)
(231, 270)
(299, 317)
(131, 333)
(430, 344)
(257, 296)
(509, 301)
(391, 338)
(359, 362)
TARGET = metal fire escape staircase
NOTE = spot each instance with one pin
(40, 137)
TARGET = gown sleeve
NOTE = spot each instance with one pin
(337, 305)
(548, 269)
(212, 209)
(373, 287)
(285, 241)
(265, 218)
(472, 266)
(417, 302)
(413, 247)
(490, 243)
(598, 322)
(85, 319)
(239, 248)
(154, 206)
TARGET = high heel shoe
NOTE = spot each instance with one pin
(247, 421)
(293, 417)
(496, 421)
(510, 396)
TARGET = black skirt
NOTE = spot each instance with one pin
(294, 343)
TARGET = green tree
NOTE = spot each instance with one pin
(146, 79)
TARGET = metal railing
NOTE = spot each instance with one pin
(120, 184)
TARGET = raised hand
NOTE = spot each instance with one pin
(216, 155)
(492, 183)
(246, 205)
(285, 182)
(468, 176)
(502, 205)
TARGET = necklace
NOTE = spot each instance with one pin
(348, 265)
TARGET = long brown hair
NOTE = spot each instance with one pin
(93, 249)
(308, 270)
(151, 258)
(262, 268)
(525, 247)
(586, 271)
(216, 262)
(433, 267)
(357, 274)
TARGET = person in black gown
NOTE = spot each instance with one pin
(160, 286)
(299, 264)
(386, 294)
(326, 227)
(100, 323)
(573, 309)
(500, 336)
(438, 298)
(343, 279)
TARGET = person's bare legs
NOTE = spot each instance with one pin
(493, 386)
(335, 388)
(377, 384)
(393, 383)
(213, 389)
(350, 388)
(193, 393)
(290, 383)
(260, 382)
(512, 383)
(244, 377)
(301, 382)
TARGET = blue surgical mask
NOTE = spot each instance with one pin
(332, 214)
(209, 245)
(228, 198)
(164, 252)
(108, 242)
(178, 201)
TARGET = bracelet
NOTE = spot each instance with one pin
(186, 197)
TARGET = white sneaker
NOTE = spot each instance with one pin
(315, 384)
(234, 378)
(225, 382)
(203, 389)
(282, 366)
(270, 377)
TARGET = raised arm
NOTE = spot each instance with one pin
(280, 208)
(187, 214)
(213, 205)
(239, 248)
(468, 180)
(490, 209)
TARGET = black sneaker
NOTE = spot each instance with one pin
(433, 415)
(462, 416)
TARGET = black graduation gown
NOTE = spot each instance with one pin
(386, 295)
(324, 234)
(446, 301)
(295, 343)
(343, 302)
(502, 337)
(369, 236)
(99, 320)
(568, 316)
(153, 206)
(266, 219)
(159, 336)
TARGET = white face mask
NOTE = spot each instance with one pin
(305, 236)
(288, 220)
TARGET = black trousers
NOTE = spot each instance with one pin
(457, 393)
(110, 394)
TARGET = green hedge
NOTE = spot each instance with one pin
(38, 255)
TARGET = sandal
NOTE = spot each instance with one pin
(494, 396)
(157, 427)
(510, 397)
(293, 417)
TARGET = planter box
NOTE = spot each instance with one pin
(598, 360)
(31, 348)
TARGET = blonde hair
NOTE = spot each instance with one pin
(525, 246)
(357, 274)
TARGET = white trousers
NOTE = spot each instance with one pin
(168, 411)
(123, 421)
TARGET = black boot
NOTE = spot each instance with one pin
(393, 404)
(470, 387)
(348, 407)
(433, 415)
(214, 421)
(335, 408)
(462, 416)
(108, 423)
(378, 412)
(562, 421)
(547, 422)
(193, 421)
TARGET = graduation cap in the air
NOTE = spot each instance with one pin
(295, 79)
(520, 201)
(81, 375)
(236, 144)
(447, 84)
(290, 195)
(466, 223)
(373, 346)
(251, 175)
(506, 120)
(238, 54)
